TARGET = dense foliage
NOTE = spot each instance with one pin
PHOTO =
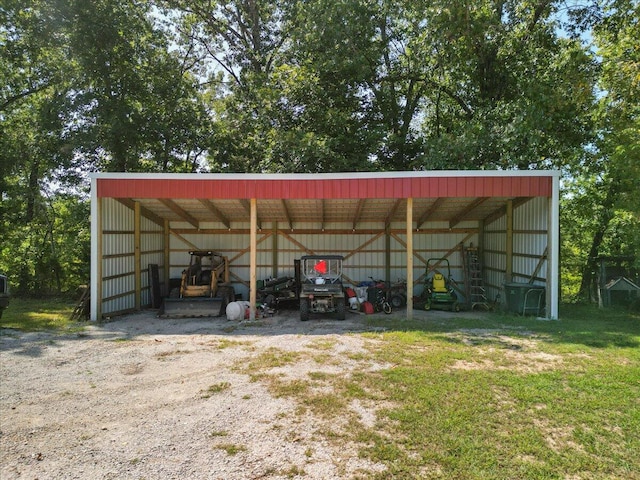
(313, 86)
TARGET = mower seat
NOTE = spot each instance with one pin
(439, 285)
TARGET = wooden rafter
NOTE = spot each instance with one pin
(429, 211)
(392, 212)
(215, 211)
(358, 212)
(182, 213)
(466, 211)
(246, 206)
(287, 214)
(145, 212)
(502, 210)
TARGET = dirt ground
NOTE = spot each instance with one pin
(146, 398)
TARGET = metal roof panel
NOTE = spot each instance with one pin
(292, 187)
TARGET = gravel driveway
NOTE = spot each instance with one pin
(147, 398)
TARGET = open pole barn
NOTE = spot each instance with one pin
(387, 225)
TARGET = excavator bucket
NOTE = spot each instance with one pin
(193, 307)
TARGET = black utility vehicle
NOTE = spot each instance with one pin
(321, 286)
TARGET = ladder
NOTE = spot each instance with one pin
(477, 292)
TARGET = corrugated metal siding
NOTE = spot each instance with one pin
(115, 305)
(530, 223)
(494, 279)
(118, 268)
(118, 257)
(115, 216)
(533, 215)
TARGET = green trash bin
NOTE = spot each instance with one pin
(525, 298)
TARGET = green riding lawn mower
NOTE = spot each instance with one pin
(438, 289)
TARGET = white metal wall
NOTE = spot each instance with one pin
(151, 252)
(530, 237)
(118, 268)
(118, 256)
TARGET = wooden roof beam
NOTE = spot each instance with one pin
(502, 210)
(466, 211)
(178, 210)
(287, 214)
(216, 213)
(358, 212)
(145, 212)
(393, 211)
(429, 211)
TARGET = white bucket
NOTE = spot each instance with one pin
(235, 311)
(238, 310)
(353, 303)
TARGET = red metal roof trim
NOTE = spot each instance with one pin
(417, 187)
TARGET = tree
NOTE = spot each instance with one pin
(313, 86)
(616, 160)
(506, 90)
(138, 108)
(79, 82)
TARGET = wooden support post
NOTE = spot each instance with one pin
(508, 274)
(387, 253)
(167, 258)
(137, 267)
(274, 252)
(409, 222)
(252, 259)
(481, 259)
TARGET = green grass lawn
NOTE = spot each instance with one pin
(510, 398)
(499, 398)
(33, 314)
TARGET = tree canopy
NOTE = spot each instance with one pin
(313, 86)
